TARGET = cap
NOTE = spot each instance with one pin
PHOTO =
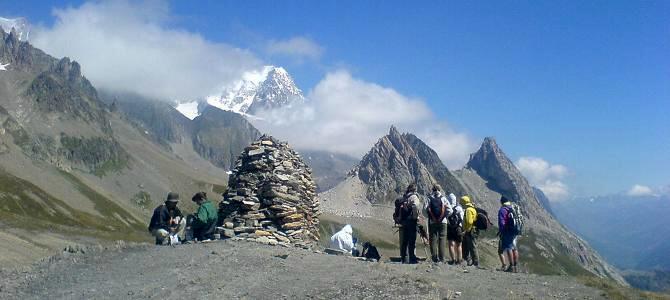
(172, 197)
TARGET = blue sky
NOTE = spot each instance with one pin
(582, 84)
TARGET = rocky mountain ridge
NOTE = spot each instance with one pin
(397, 160)
(489, 174)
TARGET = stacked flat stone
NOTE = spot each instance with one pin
(271, 197)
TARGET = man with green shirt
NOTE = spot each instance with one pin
(204, 221)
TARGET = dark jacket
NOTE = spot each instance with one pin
(162, 216)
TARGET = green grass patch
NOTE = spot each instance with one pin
(24, 205)
(142, 199)
(612, 290)
(106, 207)
(558, 263)
(101, 155)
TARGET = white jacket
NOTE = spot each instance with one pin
(343, 239)
(456, 206)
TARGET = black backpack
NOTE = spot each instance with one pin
(454, 220)
(436, 209)
(482, 221)
(404, 209)
(370, 251)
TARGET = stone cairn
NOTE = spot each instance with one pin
(271, 197)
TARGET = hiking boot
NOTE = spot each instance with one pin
(514, 269)
(451, 262)
(509, 269)
(502, 268)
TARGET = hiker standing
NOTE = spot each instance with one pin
(436, 209)
(470, 236)
(167, 221)
(508, 233)
(409, 219)
(204, 221)
(455, 231)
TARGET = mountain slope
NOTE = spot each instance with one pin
(624, 229)
(328, 168)
(395, 161)
(75, 170)
(489, 174)
(220, 136)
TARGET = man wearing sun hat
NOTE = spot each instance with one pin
(167, 223)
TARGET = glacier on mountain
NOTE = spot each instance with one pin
(21, 26)
(258, 90)
(189, 109)
(267, 88)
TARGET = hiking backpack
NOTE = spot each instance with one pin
(436, 209)
(454, 220)
(482, 221)
(515, 218)
(403, 209)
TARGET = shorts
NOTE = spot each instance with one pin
(506, 243)
(455, 234)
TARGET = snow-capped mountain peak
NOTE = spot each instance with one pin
(267, 88)
(20, 25)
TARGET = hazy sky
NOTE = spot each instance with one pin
(577, 93)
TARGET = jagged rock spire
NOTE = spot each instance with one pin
(491, 163)
(397, 160)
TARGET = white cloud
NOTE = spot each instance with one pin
(640, 190)
(348, 115)
(129, 46)
(545, 176)
(298, 47)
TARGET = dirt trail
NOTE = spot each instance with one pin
(245, 270)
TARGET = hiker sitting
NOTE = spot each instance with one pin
(436, 209)
(343, 240)
(167, 222)
(203, 223)
(370, 252)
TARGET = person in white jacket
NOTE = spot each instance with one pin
(455, 231)
(343, 240)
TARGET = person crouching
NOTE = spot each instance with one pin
(167, 222)
(203, 223)
(343, 240)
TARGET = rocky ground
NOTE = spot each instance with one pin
(246, 270)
